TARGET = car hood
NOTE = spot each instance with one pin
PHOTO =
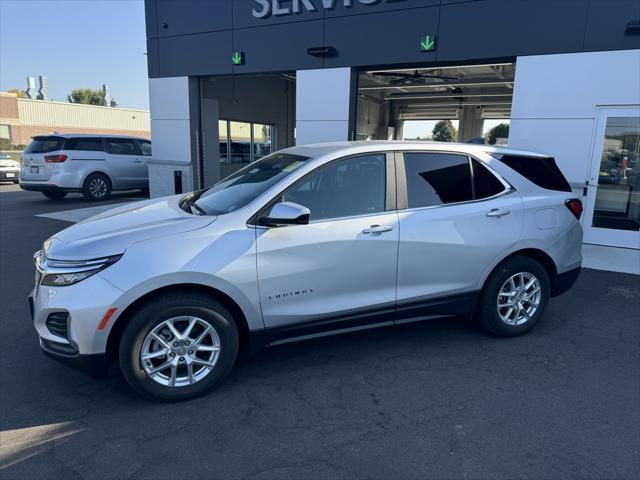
(111, 232)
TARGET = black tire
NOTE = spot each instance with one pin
(155, 313)
(16, 182)
(54, 194)
(487, 312)
(96, 186)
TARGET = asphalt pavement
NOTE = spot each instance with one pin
(438, 399)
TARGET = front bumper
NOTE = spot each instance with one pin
(8, 176)
(96, 365)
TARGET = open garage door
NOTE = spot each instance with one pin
(406, 103)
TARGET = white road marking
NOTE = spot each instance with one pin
(79, 214)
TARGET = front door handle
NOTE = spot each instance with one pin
(498, 212)
(373, 229)
(137, 160)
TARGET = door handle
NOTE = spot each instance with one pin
(373, 229)
(498, 212)
(137, 160)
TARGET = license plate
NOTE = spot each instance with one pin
(35, 170)
(10, 175)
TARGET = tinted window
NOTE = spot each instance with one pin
(86, 144)
(485, 183)
(45, 144)
(121, 146)
(355, 186)
(437, 178)
(145, 146)
(248, 183)
(542, 171)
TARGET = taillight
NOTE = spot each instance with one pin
(55, 158)
(575, 205)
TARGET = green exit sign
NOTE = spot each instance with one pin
(428, 43)
(237, 58)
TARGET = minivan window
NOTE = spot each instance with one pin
(145, 146)
(247, 184)
(346, 188)
(45, 144)
(85, 144)
(121, 146)
(437, 179)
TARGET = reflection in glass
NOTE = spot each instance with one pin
(224, 138)
(261, 140)
(617, 202)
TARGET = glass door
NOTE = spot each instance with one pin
(612, 214)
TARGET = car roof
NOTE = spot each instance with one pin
(316, 150)
(87, 135)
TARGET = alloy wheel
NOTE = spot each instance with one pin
(180, 351)
(519, 298)
(98, 187)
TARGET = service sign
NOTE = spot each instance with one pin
(266, 8)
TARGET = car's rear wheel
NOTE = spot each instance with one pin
(54, 194)
(178, 347)
(97, 186)
(514, 297)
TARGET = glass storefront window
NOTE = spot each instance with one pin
(617, 203)
(261, 140)
(223, 135)
(244, 142)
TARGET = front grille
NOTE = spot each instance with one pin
(57, 324)
(60, 348)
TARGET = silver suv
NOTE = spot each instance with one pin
(91, 164)
(305, 241)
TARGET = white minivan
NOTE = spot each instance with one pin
(93, 165)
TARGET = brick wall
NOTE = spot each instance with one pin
(22, 134)
(8, 107)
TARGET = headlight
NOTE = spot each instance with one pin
(60, 273)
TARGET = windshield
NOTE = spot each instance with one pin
(245, 185)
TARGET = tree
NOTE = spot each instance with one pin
(87, 96)
(444, 131)
(499, 131)
(18, 92)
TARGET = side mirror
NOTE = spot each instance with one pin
(286, 213)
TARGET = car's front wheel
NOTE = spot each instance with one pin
(178, 347)
(514, 297)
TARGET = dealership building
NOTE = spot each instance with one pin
(232, 80)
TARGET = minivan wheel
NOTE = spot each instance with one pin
(97, 186)
(514, 297)
(178, 347)
(54, 194)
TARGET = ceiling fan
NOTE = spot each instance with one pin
(408, 78)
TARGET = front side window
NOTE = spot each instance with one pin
(145, 146)
(346, 188)
(246, 185)
(437, 179)
(121, 146)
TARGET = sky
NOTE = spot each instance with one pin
(76, 43)
(424, 128)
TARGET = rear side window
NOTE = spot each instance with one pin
(542, 171)
(45, 144)
(84, 144)
(437, 179)
(485, 183)
(121, 146)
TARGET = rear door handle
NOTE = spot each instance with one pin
(373, 229)
(137, 160)
(498, 212)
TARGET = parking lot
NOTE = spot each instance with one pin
(438, 399)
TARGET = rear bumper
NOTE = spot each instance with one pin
(564, 281)
(44, 187)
